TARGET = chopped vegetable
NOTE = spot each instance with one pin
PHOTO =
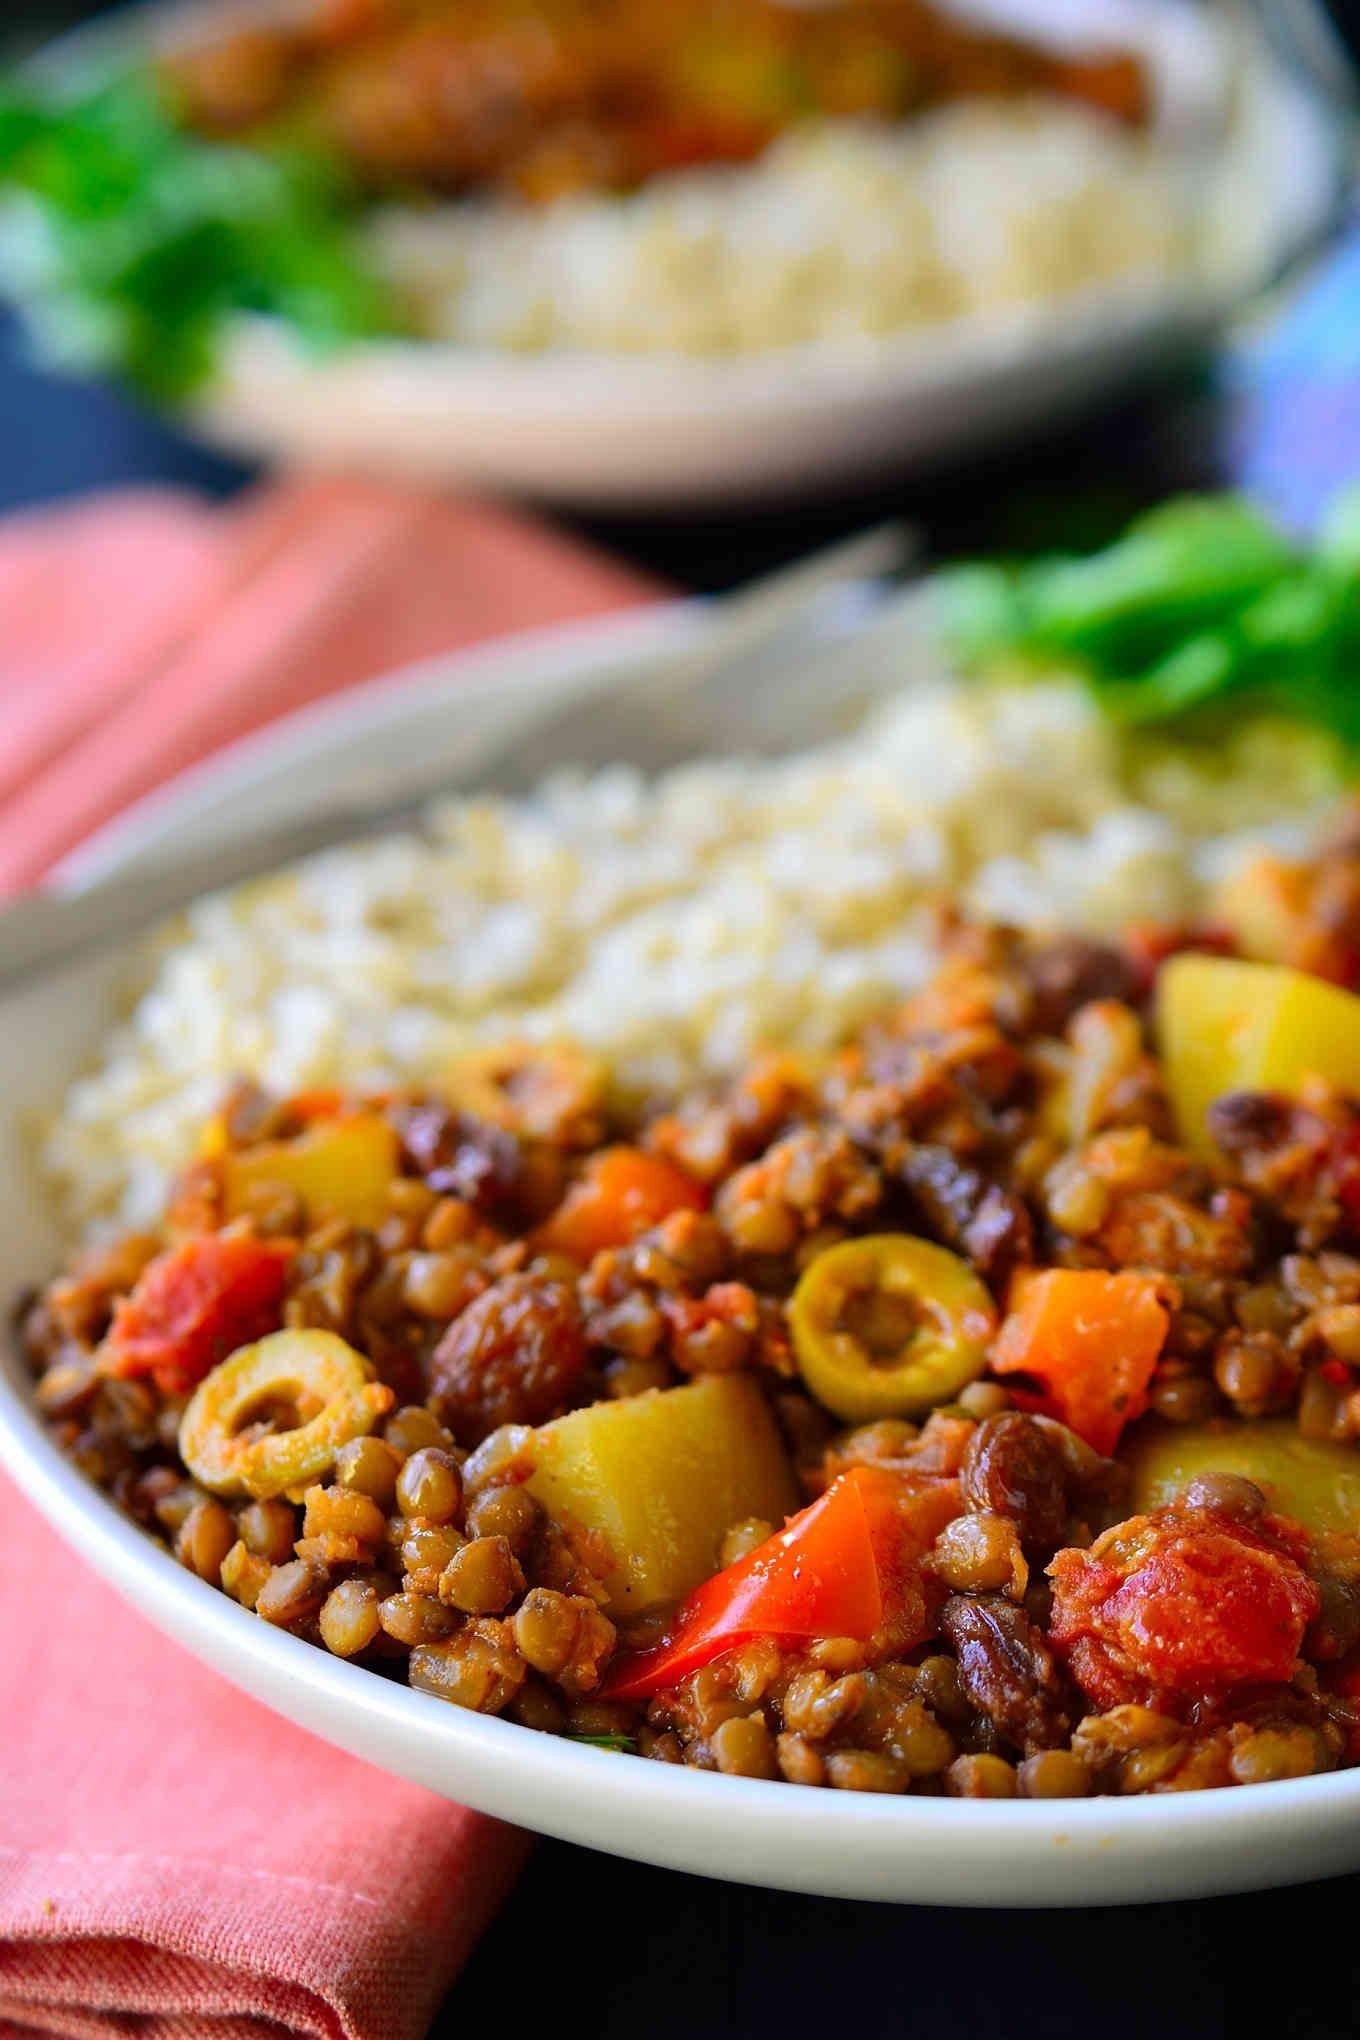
(1258, 905)
(842, 1568)
(889, 1326)
(325, 1102)
(1180, 1601)
(627, 1744)
(1282, 910)
(312, 1376)
(1202, 602)
(1091, 1340)
(341, 1167)
(1315, 1480)
(621, 1193)
(193, 1306)
(1229, 1026)
(531, 1088)
(133, 245)
(660, 1479)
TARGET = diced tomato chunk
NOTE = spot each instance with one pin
(840, 1568)
(678, 141)
(193, 1306)
(1180, 1604)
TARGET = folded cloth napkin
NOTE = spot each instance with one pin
(174, 1860)
(140, 635)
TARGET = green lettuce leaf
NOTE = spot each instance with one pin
(1202, 607)
(132, 245)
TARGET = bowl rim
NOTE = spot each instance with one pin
(650, 631)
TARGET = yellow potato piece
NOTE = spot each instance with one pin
(1311, 1478)
(661, 1477)
(340, 1168)
(212, 1138)
(1228, 1026)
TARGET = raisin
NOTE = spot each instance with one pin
(1014, 1467)
(988, 1225)
(1071, 971)
(513, 1357)
(1008, 1671)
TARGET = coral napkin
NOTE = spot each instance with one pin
(174, 1860)
(142, 633)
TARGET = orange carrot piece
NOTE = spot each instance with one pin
(318, 1104)
(621, 1193)
(1091, 1341)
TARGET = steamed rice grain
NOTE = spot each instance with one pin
(841, 232)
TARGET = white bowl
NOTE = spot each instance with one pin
(668, 431)
(927, 1851)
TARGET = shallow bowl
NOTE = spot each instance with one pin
(925, 1851)
(670, 431)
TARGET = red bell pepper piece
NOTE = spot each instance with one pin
(839, 1568)
(194, 1306)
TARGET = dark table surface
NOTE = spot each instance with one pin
(632, 1951)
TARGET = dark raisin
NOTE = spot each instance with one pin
(1067, 973)
(978, 1219)
(513, 1357)
(1014, 1467)
(1008, 1671)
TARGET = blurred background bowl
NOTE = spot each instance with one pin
(648, 431)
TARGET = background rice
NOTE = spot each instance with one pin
(671, 925)
(843, 231)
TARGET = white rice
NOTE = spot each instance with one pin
(673, 926)
(842, 231)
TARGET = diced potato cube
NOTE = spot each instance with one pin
(1313, 1479)
(1228, 1026)
(340, 1168)
(661, 1477)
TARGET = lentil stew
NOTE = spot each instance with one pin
(548, 97)
(971, 1411)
